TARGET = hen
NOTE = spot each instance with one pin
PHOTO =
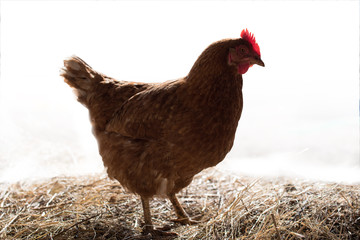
(153, 138)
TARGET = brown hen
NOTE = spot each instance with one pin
(153, 138)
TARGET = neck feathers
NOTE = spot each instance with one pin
(211, 76)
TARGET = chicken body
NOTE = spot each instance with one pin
(153, 138)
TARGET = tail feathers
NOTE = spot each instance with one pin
(80, 76)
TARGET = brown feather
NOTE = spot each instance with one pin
(153, 138)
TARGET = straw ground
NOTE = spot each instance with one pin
(229, 207)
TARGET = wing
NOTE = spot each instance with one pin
(146, 114)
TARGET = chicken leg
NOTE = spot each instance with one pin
(149, 228)
(182, 217)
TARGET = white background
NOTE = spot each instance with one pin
(301, 112)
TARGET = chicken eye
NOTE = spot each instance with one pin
(242, 50)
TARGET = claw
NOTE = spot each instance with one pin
(185, 221)
(158, 233)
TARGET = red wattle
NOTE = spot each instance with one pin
(243, 68)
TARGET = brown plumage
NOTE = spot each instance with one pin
(153, 138)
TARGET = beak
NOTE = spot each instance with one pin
(257, 60)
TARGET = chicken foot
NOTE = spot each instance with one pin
(148, 227)
(182, 216)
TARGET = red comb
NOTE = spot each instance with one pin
(248, 36)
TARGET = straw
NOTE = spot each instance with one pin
(227, 206)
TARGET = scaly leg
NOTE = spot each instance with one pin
(183, 218)
(147, 215)
(149, 228)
